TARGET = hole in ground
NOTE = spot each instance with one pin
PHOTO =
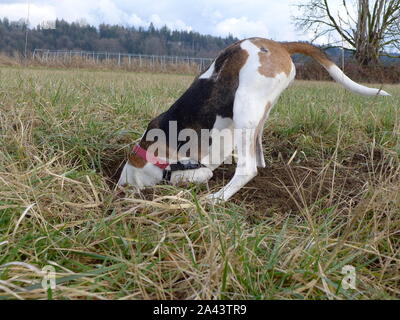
(287, 189)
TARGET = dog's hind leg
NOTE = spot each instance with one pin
(250, 113)
(259, 152)
(246, 168)
(248, 119)
(259, 149)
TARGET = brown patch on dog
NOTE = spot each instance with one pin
(136, 161)
(308, 50)
(229, 63)
(274, 58)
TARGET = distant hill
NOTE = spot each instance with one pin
(111, 38)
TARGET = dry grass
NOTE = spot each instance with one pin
(311, 70)
(77, 62)
(328, 198)
(9, 61)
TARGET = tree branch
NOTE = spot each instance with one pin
(338, 29)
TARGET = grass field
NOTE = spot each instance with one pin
(328, 198)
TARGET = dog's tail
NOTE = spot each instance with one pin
(335, 72)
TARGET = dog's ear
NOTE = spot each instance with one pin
(136, 161)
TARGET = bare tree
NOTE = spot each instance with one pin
(370, 28)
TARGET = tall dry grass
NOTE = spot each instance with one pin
(78, 62)
(311, 70)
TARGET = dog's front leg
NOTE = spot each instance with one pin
(246, 169)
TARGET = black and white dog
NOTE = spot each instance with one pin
(235, 95)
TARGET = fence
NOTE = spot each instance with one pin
(142, 60)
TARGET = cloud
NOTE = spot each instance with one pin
(37, 13)
(136, 21)
(108, 11)
(242, 28)
(241, 18)
(174, 24)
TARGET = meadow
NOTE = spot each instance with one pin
(329, 197)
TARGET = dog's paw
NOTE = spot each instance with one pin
(200, 175)
(215, 198)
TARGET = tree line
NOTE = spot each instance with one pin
(112, 38)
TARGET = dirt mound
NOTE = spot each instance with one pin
(283, 188)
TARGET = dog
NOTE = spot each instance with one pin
(235, 95)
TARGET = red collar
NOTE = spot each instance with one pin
(142, 153)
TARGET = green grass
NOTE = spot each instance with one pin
(63, 134)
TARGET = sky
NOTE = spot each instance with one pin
(241, 18)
